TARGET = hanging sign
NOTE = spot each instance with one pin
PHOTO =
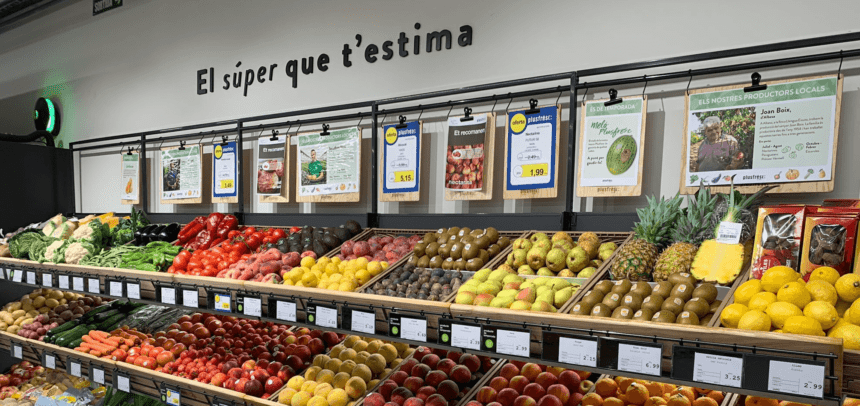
(531, 153)
(272, 161)
(470, 151)
(611, 146)
(224, 173)
(401, 158)
(329, 166)
(785, 134)
(182, 176)
(130, 179)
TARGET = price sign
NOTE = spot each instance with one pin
(250, 305)
(282, 310)
(3, 273)
(401, 160)
(50, 361)
(729, 233)
(168, 295)
(78, 284)
(123, 383)
(115, 288)
(31, 278)
(322, 316)
(74, 367)
(404, 176)
(640, 359)
(48, 280)
(535, 170)
(132, 290)
(459, 334)
(227, 184)
(190, 298)
(64, 281)
(94, 286)
(796, 378)
(220, 301)
(17, 351)
(508, 341)
(97, 374)
(359, 321)
(17, 275)
(171, 396)
(577, 351)
(718, 369)
(407, 328)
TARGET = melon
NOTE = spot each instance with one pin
(621, 155)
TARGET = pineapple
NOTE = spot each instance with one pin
(689, 232)
(635, 260)
(722, 263)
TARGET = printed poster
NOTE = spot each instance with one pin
(270, 165)
(464, 169)
(224, 164)
(782, 134)
(532, 142)
(130, 177)
(611, 143)
(401, 167)
(181, 173)
(329, 163)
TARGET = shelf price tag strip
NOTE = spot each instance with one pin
(73, 367)
(114, 287)
(713, 367)
(459, 334)
(282, 309)
(576, 350)
(506, 340)
(322, 315)
(784, 375)
(171, 395)
(249, 304)
(407, 327)
(359, 320)
(132, 289)
(47, 280)
(219, 300)
(190, 296)
(630, 356)
(121, 381)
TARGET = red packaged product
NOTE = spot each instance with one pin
(779, 231)
(829, 239)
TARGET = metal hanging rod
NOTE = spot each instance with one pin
(152, 132)
(474, 100)
(308, 121)
(162, 139)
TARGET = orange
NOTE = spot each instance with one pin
(678, 400)
(787, 403)
(611, 401)
(716, 395)
(637, 393)
(623, 383)
(654, 388)
(702, 391)
(851, 402)
(592, 399)
(758, 401)
(686, 391)
(606, 387)
(668, 388)
(655, 401)
(623, 398)
(705, 401)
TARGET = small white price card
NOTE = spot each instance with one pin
(94, 286)
(98, 375)
(796, 379)
(718, 369)
(639, 359)
(577, 352)
(222, 302)
(3, 273)
(132, 290)
(50, 361)
(17, 351)
(729, 233)
(48, 280)
(31, 278)
(123, 384)
(168, 295)
(252, 306)
(413, 329)
(513, 342)
(17, 275)
(171, 397)
(285, 311)
(326, 317)
(363, 322)
(190, 298)
(75, 368)
(78, 284)
(64, 281)
(115, 288)
(468, 337)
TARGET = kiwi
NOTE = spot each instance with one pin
(457, 250)
(612, 301)
(643, 315)
(453, 230)
(715, 305)
(504, 242)
(470, 250)
(444, 250)
(436, 262)
(582, 309)
(681, 277)
(688, 318)
(431, 249)
(492, 234)
(464, 232)
(663, 289)
(482, 241)
(423, 262)
(632, 300)
(448, 264)
(622, 286)
(430, 237)
(467, 239)
(604, 287)
(460, 264)
(663, 316)
(418, 250)
(683, 290)
(622, 312)
(601, 310)
(706, 291)
(705, 320)
(494, 249)
(592, 298)
(673, 304)
(652, 303)
(477, 232)
(453, 238)
(474, 264)
(641, 288)
(698, 306)
(484, 255)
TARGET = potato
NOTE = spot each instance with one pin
(39, 301)
(69, 296)
(18, 313)
(44, 310)
(14, 306)
(56, 294)
(7, 319)
(63, 301)
(33, 313)
(52, 303)
(22, 321)
(34, 294)
(26, 301)
(3, 326)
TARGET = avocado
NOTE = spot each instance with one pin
(663, 316)
(622, 312)
(683, 290)
(706, 291)
(353, 227)
(698, 306)
(319, 248)
(663, 289)
(643, 315)
(331, 241)
(652, 303)
(342, 233)
(688, 318)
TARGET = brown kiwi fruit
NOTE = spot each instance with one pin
(683, 291)
(464, 232)
(612, 301)
(460, 264)
(673, 304)
(715, 305)
(643, 315)
(622, 312)
(477, 232)
(698, 306)
(504, 242)
(663, 316)
(582, 309)
(632, 300)
(663, 289)
(653, 303)
(432, 249)
(492, 234)
(681, 277)
(456, 250)
(592, 298)
(484, 255)
(423, 262)
(467, 239)
(688, 318)
(444, 250)
(474, 264)
(706, 291)
(430, 237)
(418, 250)
(448, 264)
(470, 250)
(453, 238)
(412, 260)
(453, 230)
(601, 310)
(494, 249)
(483, 242)
(622, 286)
(705, 320)
(604, 287)
(641, 288)
(436, 262)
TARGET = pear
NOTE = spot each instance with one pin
(566, 273)
(563, 245)
(562, 236)
(508, 293)
(527, 295)
(536, 258)
(483, 300)
(512, 277)
(538, 236)
(605, 254)
(542, 289)
(488, 288)
(559, 284)
(545, 272)
(465, 298)
(507, 268)
(608, 246)
(544, 245)
(547, 296)
(522, 243)
(527, 284)
(502, 302)
(577, 259)
(482, 275)
(556, 259)
(562, 296)
(473, 289)
(596, 262)
(541, 281)
(542, 306)
(497, 275)
(525, 270)
(519, 257)
(511, 285)
(587, 272)
(521, 305)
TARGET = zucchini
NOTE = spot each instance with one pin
(63, 340)
(76, 343)
(94, 312)
(63, 327)
(105, 315)
(106, 324)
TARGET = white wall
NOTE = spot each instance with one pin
(133, 69)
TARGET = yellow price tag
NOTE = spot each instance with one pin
(404, 176)
(227, 184)
(535, 170)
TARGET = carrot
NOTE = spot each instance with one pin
(80, 349)
(88, 339)
(100, 335)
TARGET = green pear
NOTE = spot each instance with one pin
(527, 295)
(536, 258)
(556, 259)
(561, 236)
(541, 281)
(577, 259)
(562, 296)
(483, 300)
(473, 289)
(538, 236)
(542, 289)
(465, 298)
(511, 285)
(543, 245)
(507, 268)
(542, 306)
(566, 273)
(482, 275)
(501, 302)
(497, 275)
(587, 272)
(559, 284)
(521, 305)
(513, 277)
(522, 243)
(488, 288)
(547, 296)
(525, 270)
(519, 257)
(508, 293)
(595, 263)
(545, 272)
(527, 284)
(608, 246)
(563, 245)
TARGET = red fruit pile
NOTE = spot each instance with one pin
(439, 379)
(267, 267)
(379, 248)
(20, 373)
(519, 384)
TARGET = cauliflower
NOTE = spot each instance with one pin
(52, 249)
(77, 250)
(83, 233)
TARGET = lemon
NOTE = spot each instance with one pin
(336, 260)
(331, 269)
(295, 383)
(754, 320)
(841, 306)
(802, 325)
(731, 315)
(850, 337)
(776, 277)
(822, 291)
(363, 276)
(286, 396)
(384, 265)
(852, 315)
(839, 323)
(795, 294)
(308, 262)
(323, 284)
(779, 312)
(361, 263)
(374, 268)
(848, 287)
(301, 398)
(824, 313)
(745, 292)
(824, 273)
(760, 300)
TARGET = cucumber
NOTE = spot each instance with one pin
(107, 324)
(67, 337)
(76, 343)
(61, 328)
(105, 315)
(95, 311)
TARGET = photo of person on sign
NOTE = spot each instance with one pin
(313, 168)
(717, 151)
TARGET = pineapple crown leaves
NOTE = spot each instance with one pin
(657, 220)
(738, 202)
(695, 219)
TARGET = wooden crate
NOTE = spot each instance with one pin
(729, 399)
(473, 393)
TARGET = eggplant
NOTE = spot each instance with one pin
(155, 234)
(145, 234)
(169, 232)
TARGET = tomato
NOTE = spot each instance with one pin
(194, 264)
(295, 229)
(269, 239)
(254, 241)
(249, 230)
(233, 233)
(172, 269)
(279, 233)
(222, 265)
(218, 250)
(181, 260)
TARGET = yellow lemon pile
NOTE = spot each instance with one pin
(333, 273)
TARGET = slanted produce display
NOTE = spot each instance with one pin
(29, 384)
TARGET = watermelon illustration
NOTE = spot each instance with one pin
(621, 155)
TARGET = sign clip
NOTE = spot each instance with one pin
(468, 116)
(613, 98)
(325, 129)
(756, 84)
(533, 107)
(402, 122)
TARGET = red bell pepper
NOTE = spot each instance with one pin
(227, 224)
(213, 220)
(187, 232)
(192, 232)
